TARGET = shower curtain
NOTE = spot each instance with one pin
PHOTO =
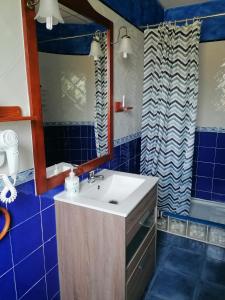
(101, 108)
(171, 60)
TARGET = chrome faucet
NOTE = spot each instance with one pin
(92, 177)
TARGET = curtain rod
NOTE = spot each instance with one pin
(185, 20)
(69, 37)
(66, 38)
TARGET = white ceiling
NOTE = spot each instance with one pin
(175, 3)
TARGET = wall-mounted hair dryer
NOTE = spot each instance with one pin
(9, 149)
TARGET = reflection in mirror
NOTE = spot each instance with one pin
(73, 91)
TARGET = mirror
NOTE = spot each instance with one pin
(73, 91)
(70, 92)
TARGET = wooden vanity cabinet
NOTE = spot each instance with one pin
(104, 256)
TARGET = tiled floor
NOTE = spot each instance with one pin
(187, 270)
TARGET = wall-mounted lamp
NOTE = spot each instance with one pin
(125, 43)
(96, 50)
(48, 12)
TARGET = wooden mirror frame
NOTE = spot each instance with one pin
(82, 7)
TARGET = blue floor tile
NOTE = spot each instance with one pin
(184, 261)
(215, 252)
(210, 292)
(214, 271)
(149, 297)
(162, 253)
(172, 285)
(187, 270)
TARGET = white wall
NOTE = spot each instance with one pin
(128, 74)
(211, 101)
(67, 87)
(13, 84)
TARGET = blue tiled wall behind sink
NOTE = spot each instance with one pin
(209, 165)
(28, 254)
(70, 143)
(29, 268)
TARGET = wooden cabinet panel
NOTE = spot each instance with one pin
(91, 253)
(139, 253)
(142, 274)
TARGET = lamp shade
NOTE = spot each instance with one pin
(95, 50)
(125, 46)
(49, 12)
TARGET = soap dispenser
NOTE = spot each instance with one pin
(72, 183)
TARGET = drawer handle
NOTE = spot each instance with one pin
(148, 219)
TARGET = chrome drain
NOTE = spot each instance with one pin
(113, 202)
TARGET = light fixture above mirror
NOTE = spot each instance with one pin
(48, 12)
(125, 42)
(95, 49)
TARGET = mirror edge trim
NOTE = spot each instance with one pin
(42, 183)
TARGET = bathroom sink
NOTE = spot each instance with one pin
(114, 189)
(118, 193)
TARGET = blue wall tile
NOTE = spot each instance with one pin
(50, 250)
(206, 154)
(218, 197)
(209, 166)
(25, 206)
(221, 140)
(7, 285)
(205, 169)
(26, 238)
(220, 157)
(48, 222)
(204, 184)
(29, 271)
(52, 282)
(38, 292)
(219, 186)
(71, 143)
(203, 195)
(5, 255)
(219, 171)
(208, 139)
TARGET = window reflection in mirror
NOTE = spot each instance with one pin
(73, 91)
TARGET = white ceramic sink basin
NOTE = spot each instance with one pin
(114, 188)
(118, 193)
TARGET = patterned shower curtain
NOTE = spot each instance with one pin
(101, 108)
(171, 60)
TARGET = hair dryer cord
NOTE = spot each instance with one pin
(8, 189)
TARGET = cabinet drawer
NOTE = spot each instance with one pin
(142, 274)
(134, 219)
(134, 260)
